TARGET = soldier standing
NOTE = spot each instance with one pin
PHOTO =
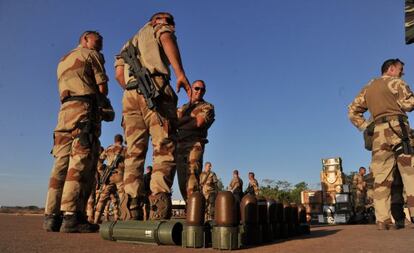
(81, 78)
(209, 188)
(236, 185)
(360, 190)
(194, 120)
(113, 184)
(387, 98)
(156, 48)
(253, 187)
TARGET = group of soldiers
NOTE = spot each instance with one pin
(387, 98)
(149, 113)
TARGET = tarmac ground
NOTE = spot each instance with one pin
(24, 233)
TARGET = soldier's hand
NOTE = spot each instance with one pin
(182, 82)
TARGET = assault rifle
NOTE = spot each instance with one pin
(143, 83)
(108, 171)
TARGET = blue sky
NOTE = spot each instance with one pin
(280, 74)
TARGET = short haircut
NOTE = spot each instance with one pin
(86, 33)
(201, 81)
(388, 63)
(161, 13)
(251, 173)
(149, 167)
(362, 168)
(118, 138)
(207, 163)
(236, 172)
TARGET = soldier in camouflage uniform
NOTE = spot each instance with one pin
(209, 188)
(360, 190)
(253, 187)
(387, 98)
(236, 185)
(81, 80)
(194, 120)
(114, 185)
(90, 209)
(158, 49)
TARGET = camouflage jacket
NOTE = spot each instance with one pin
(253, 187)
(186, 128)
(147, 40)
(109, 154)
(79, 73)
(236, 185)
(359, 183)
(208, 182)
(384, 96)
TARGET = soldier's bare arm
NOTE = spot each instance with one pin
(119, 75)
(170, 47)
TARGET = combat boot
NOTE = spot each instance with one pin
(135, 209)
(77, 223)
(52, 222)
(385, 225)
(160, 206)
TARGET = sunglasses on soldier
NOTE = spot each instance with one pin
(199, 89)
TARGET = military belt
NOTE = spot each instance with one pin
(386, 119)
(86, 98)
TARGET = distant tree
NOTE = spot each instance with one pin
(282, 191)
(220, 185)
(298, 188)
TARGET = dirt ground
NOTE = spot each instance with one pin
(20, 234)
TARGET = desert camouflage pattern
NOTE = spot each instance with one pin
(114, 188)
(190, 145)
(109, 192)
(384, 160)
(253, 187)
(71, 178)
(209, 188)
(115, 208)
(397, 95)
(90, 208)
(236, 185)
(369, 180)
(147, 40)
(409, 21)
(360, 192)
(140, 123)
(79, 72)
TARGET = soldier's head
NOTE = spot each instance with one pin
(198, 90)
(251, 175)
(393, 67)
(91, 40)
(362, 171)
(207, 166)
(162, 18)
(235, 173)
(148, 170)
(118, 139)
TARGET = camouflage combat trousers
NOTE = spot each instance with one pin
(109, 192)
(360, 200)
(72, 176)
(189, 165)
(383, 165)
(210, 198)
(140, 124)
